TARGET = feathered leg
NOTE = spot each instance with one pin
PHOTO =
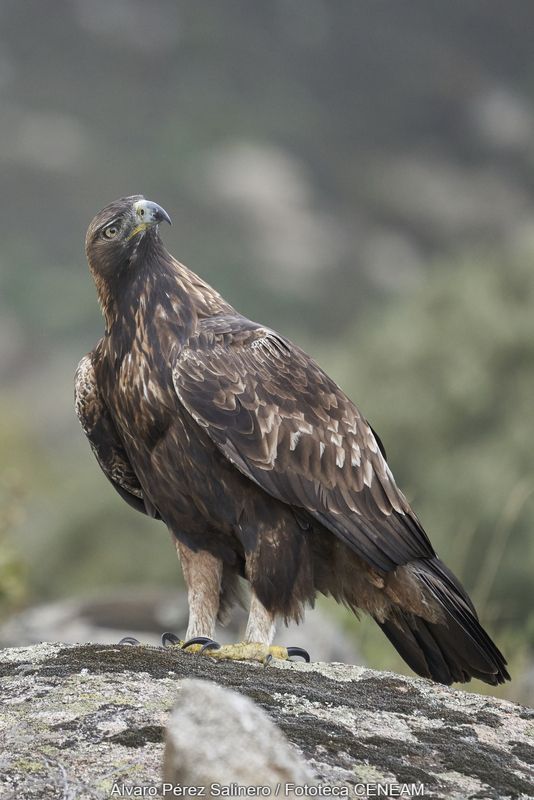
(261, 626)
(203, 575)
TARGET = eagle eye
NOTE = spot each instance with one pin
(111, 231)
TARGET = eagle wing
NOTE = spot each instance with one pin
(287, 426)
(104, 438)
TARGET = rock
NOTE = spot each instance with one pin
(88, 722)
(217, 736)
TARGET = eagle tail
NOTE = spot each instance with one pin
(453, 649)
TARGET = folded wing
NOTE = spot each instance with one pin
(105, 441)
(287, 426)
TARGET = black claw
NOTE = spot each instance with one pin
(209, 645)
(298, 651)
(268, 660)
(129, 640)
(205, 640)
(169, 637)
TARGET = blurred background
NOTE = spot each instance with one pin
(358, 176)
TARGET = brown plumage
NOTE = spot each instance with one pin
(256, 461)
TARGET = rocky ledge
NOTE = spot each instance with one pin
(88, 721)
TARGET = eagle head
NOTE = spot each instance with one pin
(118, 235)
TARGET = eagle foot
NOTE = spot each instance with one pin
(256, 651)
(251, 651)
(244, 651)
(205, 641)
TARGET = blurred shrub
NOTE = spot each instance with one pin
(13, 573)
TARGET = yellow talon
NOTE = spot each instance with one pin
(279, 652)
(247, 651)
(243, 651)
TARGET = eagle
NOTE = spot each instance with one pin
(258, 464)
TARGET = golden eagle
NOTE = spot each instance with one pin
(257, 462)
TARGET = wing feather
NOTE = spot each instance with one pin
(287, 426)
(105, 441)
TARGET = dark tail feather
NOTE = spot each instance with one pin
(450, 651)
(432, 651)
(421, 652)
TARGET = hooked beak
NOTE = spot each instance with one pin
(150, 214)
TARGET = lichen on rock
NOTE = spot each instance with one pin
(90, 719)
